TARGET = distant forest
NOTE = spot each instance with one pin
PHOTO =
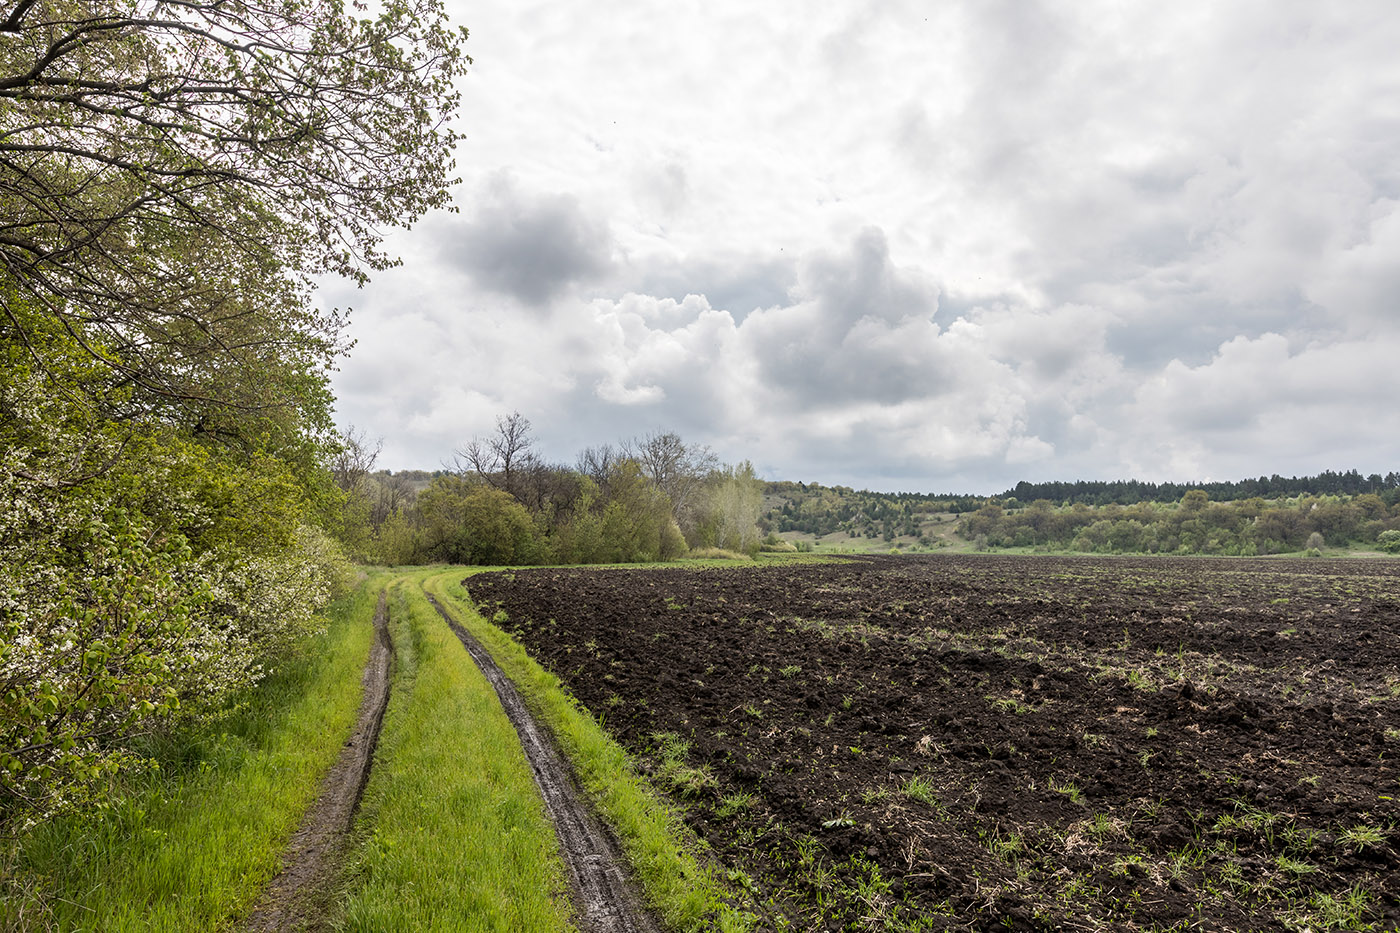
(1131, 492)
(1264, 516)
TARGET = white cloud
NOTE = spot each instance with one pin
(946, 247)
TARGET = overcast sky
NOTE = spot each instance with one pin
(923, 246)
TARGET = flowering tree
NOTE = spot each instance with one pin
(174, 176)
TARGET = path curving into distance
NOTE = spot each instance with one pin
(604, 893)
(287, 903)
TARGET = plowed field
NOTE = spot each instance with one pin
(992, 743)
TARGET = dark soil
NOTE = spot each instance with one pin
(1007, 743)
(294, 898)
(604, 894)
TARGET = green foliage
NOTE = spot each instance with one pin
(186, 846)
(556, 515)
(1131, 492)
(731, 504)
(634, 524)
(1389, 541)
(468, 523)
(810, 508)
(143, 575)
(1194, 526)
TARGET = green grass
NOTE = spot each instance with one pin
(453, 833)
(686, 895)
(192, 845)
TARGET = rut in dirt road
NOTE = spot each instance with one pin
(289, 903)
(603, 891)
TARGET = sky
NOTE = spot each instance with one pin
(936, 247)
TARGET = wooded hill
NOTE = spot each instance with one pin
(1341, 509)
(1130, 492)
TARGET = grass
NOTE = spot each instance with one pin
(453, 832)
(685, 894)
(192, 845)
(717, 553)
(682, 778)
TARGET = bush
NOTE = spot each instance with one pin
(776, 545)
(1389, 541)
(717, 553)
(147, 592)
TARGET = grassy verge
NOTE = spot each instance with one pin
(454, 834)
(190, 847)
(675, 884)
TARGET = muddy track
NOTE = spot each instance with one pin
(289, 902)
(604, 894)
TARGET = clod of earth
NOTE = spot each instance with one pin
(962, 742)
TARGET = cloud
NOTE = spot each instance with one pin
(930, 247)
(531, 247)
(1361, 282)
(1262, 401)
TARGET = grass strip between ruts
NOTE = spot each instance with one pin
(190, 847)
(686, 895)
(453, 835)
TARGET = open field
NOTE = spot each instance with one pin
(968, 742)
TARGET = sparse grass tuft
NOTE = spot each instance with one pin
(1362, 836)
(684, 779)
(922, 790)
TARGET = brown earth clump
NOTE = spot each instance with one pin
(973, 742)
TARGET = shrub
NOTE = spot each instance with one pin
(717, 553)
(1389, 541)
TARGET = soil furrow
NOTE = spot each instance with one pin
(953, 742)
(289, 900)
(604, 894)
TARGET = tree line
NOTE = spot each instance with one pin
(498, 502)
(1131, 492)
(1194, 525)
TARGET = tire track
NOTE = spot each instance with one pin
(288, 902)
(604, 893)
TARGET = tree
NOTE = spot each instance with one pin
(467, 523)
(500, 459)
(175, 175)
(598, 464)
(355, 458)
(678, 469)
(143, 575)
(729, 510)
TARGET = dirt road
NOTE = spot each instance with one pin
(605, 897)
(289, 901)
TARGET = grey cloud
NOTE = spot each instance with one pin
(865, 283)
(737, 284)
(531, 247)
(1188, 174)
(859, 330)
